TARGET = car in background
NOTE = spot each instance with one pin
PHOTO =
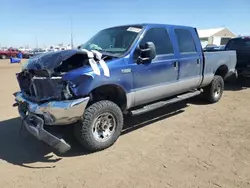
(22, 49)
(12, 52)
(221, 47)
(36, 51)
(242, 47)
(210, 47)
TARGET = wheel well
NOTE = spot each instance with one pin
(222, 71)
(110, 92)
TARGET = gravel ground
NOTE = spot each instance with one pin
(189, 145)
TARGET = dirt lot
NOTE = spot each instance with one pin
(187, 145)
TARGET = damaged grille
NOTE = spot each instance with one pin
(40, 88)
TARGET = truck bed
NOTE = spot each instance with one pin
(213, 60)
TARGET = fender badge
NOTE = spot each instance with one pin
(126, 70)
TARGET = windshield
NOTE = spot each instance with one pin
(116, 40)
(239, 44)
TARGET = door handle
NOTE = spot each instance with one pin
(198, 61)
(176, 64)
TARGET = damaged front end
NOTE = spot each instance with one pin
(36, 115)
(45, 98)
(41, 88)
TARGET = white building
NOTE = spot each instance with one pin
(217, 36)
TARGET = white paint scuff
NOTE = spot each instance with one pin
(91, 54)
(92, 62)
(102, 63)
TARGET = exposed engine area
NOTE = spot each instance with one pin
(74, 62)
(41, 81)
(41, 89)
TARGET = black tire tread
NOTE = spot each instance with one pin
(208, 91)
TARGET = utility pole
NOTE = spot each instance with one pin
(36, 42)
(71, 33)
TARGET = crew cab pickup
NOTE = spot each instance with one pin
(242, 47)
(12, 52)
(129, 69)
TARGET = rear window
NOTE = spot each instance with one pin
(239, 44)
(185, 41)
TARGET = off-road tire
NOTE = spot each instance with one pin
(210, 93)
(83, 130)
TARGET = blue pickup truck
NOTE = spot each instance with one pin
(129, 69)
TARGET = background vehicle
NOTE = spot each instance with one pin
(22, 49)
(242, 47)
(125, 69)
(210, 47)
(12, 52)
(221, 47)
(36, 51)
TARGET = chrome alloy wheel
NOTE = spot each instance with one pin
(217, 91)
(104, 127)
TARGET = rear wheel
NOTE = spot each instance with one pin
(213, 92)
(100, 127)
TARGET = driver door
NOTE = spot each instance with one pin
(153, 81)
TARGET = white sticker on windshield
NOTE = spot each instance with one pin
(134, 29)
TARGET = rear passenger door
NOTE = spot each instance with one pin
(190, 60)
(152, 81)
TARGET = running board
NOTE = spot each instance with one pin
(160, 104)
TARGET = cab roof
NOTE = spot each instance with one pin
(153, 25)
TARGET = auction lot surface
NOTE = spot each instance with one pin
(187, 145)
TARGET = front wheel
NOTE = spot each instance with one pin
(100, 126)
(213, 92)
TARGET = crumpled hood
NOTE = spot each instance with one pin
(49, 60)
(52, 60)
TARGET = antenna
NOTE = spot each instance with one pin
(71, 32)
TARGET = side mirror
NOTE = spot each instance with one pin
(147, 52)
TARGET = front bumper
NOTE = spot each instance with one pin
(34, 125)
(36, 115)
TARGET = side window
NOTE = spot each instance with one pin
(160, 37)
(185, 41)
